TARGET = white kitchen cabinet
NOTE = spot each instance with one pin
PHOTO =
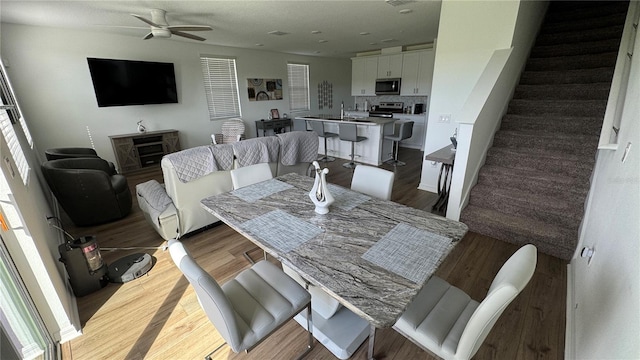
(389, 66)
(417, 73)
(364, 72)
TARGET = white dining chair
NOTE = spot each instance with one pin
(445, 321)
(248, 308)
(249, 175)
(232, 131)
(373, 181)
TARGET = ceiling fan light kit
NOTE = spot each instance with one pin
(160, 28)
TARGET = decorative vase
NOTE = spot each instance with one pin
(141, 127)
(320, 192)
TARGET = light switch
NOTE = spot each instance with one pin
(445, 118)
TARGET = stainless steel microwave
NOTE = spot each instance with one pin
(388, 86)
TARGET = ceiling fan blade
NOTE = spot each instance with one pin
(148, 36)
(145, 20)
(189, 27)
(187, 35)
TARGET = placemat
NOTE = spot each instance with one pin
(412, 253)
(346, 199)
(281, 230)
(260, 190)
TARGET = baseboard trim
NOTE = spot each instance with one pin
(569, 340)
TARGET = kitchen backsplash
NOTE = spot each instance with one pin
(376, 100)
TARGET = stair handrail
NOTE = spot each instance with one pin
(617, 94)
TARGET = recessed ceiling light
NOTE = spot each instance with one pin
(316, 32)
(364, 33)
(405, 11)
(323, 41)
(259, 44)
(388, 40)
(373, 43)
(277, 32)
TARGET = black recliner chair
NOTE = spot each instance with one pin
(87, 190)
(75, 152)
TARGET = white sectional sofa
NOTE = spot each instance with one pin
(174, 210)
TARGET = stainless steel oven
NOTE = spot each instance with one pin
(388, 86)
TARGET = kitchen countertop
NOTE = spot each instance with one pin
(353, 120)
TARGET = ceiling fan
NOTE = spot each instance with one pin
(161, 29)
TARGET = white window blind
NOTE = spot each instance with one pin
(298, 87)
(8, 108)
(221, 87)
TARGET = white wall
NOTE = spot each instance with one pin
(468, 34)
(604, 316)
(48, 68)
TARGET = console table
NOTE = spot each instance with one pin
(446, 156)
(274, 124)
(139, 150)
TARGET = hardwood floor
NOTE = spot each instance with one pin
(158, 316)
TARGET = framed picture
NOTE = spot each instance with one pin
(275, 114)
(264, 89)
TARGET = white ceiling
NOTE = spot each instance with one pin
(246, 24)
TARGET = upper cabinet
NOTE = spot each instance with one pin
(417, 73)
(389, 66)
(364, 72)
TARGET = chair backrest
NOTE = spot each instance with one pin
(373, 181)
(317, 127)
(348, 132)
(406, 130)
(251, 174)
(232, 130)
(210, 295)
(72, 152)
(510, 280)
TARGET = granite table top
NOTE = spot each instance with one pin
(372, 255)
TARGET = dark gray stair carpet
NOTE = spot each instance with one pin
(578, 76)
(552, 123)
(536, 177)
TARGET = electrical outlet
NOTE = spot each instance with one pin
(445, 118)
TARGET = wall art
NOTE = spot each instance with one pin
(264, 89)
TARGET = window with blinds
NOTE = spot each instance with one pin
(298, 87)
(9, 115)
(221, 87)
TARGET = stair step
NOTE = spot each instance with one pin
(592, 108)
(595, 91)
(548, 238)
(572, 62)
(562, 11)
(578, 76)
(610, 32)
(551, 162)
(564, 212)
(589, 47)
(533, 181)
(600, 20)
(560, 124)
(542, 141)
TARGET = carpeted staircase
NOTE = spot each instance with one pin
(534, 184)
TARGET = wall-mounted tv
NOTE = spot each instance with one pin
(128, 82)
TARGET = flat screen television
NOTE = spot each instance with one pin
(128, 82)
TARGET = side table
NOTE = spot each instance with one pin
(274, 125)
(446, 156)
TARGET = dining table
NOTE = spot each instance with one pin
(371, 255)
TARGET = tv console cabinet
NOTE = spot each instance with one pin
(140, 150)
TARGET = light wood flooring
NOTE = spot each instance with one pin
(158, 316)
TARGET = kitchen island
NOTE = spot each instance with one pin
(373, 151)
